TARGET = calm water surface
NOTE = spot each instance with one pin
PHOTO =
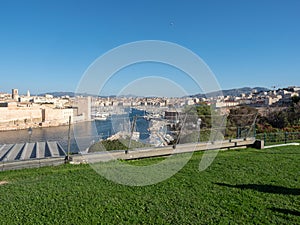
(60, 134)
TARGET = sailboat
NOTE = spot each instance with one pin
(101, 116)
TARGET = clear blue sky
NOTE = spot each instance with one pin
(47, 45)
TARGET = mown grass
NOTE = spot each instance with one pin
(240, 187)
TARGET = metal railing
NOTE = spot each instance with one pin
(279, 137)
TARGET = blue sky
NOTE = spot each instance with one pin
(48, 45)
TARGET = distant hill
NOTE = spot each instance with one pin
(58, 94)
(232, 92)
(64, 93)
(246, 90)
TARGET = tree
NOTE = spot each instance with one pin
(211, 124)
(294, 115)
(242, 116)
(278, 119)
(295, 99)
(240, 119)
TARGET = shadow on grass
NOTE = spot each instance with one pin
(264, 188)
(285, 211)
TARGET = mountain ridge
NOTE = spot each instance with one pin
(235, 92)
(228, 92)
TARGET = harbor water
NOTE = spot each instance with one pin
(105, 128)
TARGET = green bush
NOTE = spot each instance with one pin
(120, 144)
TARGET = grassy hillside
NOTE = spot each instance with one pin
(240, 187)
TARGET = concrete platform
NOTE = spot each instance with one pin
(27, 155)
(26, 151)
(161, 151)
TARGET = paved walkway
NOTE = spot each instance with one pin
(27, 155)
(280, 145)
(25, 151)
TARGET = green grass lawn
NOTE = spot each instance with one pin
(240, 187)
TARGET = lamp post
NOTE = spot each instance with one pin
(29, 133)
(69, 140)
(199, 126)
(132, 130)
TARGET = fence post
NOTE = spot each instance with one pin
(265, 138)
(285, 137)
(238, 131)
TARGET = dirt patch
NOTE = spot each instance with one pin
(2, 182)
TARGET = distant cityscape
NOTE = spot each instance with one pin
(24, 111)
